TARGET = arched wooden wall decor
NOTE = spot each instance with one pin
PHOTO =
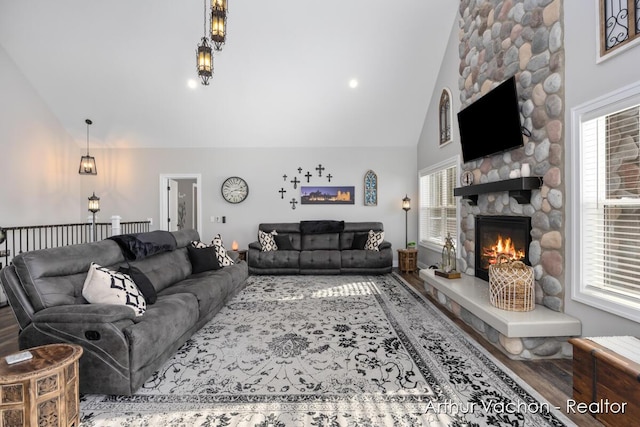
(370, 188)
(444, 116)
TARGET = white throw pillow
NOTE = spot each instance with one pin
(104, 286)
(224, 260)
(267, 242)
(374, 240)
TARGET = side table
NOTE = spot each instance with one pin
(242, 254)
(407, 260)
(41, 391)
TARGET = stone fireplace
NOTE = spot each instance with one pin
(500, 39)
(500, 235)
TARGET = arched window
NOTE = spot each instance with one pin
(445, 117)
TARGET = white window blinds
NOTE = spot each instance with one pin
(438, 214)
(610, 174)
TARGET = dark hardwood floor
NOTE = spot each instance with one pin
(551, 378)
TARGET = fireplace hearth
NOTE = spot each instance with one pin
(496, 235)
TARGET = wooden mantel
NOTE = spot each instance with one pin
(518, 188)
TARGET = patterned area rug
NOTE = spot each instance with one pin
(328, 351)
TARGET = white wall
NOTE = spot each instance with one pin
(586, 80)
(128, 185)
(39, 160)
(429, 152)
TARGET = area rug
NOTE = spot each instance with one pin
(328, 351)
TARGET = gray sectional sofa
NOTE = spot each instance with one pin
(321, 247)
(121, 350)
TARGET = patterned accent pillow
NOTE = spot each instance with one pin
(104, 286)
(267, 241)
(224, 260)
(374, 240)
(198, 244)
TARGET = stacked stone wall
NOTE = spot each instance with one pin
(521, 38)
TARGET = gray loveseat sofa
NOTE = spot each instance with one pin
(121, 350)
(326, 249)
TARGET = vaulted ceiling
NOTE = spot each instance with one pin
(281, 80)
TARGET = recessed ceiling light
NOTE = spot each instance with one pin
(192, 84)
(353, 83)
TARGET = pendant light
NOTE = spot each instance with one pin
(204, 55)
(88, 163)
(218, 23)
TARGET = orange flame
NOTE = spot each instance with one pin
(502, 246)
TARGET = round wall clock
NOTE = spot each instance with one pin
(466, 178)
(234, 189)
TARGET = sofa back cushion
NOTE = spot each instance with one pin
(325, 241)
(55, 276)
(167, 268)
(351, 228)
(291, 229)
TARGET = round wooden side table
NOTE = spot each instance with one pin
(407, 260)
(41, 391)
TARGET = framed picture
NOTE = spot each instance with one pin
(332, 195)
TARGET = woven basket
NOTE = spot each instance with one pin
(511, 285)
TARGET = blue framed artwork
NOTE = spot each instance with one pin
(332, 195)
(370, 188)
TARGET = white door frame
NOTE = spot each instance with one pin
(164, 179)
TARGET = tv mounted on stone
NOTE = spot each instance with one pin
(491, 124)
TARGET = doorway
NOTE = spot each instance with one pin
(180, 202)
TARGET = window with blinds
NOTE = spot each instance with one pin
(438, 212)
(608, 202)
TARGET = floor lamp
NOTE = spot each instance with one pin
(406, 205)
(94, 206)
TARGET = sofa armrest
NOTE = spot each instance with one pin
(84, 313)
(255, 245)
(384, 245)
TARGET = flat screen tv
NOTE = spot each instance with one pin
(491, 124)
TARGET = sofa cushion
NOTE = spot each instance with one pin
(358, 260)
(105, 286)
(165, 269)
(283, 242)
(142, 282)
(320, 260)
(275, 259)
(315, 242)
(56, 276)
(374, 240)
(359, 240)
(267, 241)
(163, 323)
(203, 259)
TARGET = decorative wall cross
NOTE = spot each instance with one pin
(308, 175)
(282, 191)
(329, 177)
(293, 203)
(319, 169)
(295, 182)
(284, 177)
(299, 170)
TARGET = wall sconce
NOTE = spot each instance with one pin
(219, 23)
(88, 163)
(406, 205)
(94, 206)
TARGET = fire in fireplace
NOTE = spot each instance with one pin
(496, 235)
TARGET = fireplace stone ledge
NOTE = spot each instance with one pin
(472, 294)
